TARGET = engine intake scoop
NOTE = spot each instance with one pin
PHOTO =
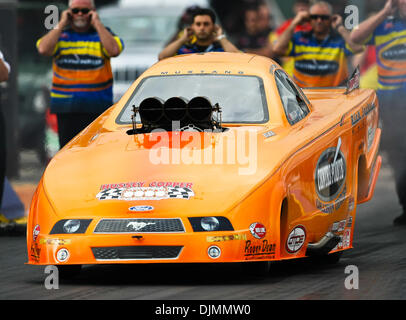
(176, 112)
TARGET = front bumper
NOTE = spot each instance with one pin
(188, 247)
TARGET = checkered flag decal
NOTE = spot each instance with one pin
(170, 193)
(110, 194)
(180, 193)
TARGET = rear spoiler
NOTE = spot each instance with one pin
(353, 82)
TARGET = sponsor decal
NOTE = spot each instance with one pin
(395, 53)
(338, 226)
(351, 204)
(202, 72)
(55, 242)
(347, 238)
(330, 173)
(128, 185)
(257, 250)
(141, 208)
(296, 239)
(226, 238)
(35, 252)
(269, 134)
(317, 68)
(355, 118)
(389, 25)
(333, 206)
(370, 137)
(349, 222)
(145, 193)
(137, 226)
(257, 230)
(36, 232)
(359, 115)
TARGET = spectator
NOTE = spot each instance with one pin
(255, 38)
(184, 21)
(81, 47)
(305, 26)
(299, 5)
(385, 30)
(320, 55)
(4, 71)
(16, 223)
(265, 26)
(209, 37)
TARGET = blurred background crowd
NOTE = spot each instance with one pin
(145, 27)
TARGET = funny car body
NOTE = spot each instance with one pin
(210, 158)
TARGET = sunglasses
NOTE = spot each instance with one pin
(323, 17)
(83, 10)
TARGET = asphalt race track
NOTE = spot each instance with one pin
(379, 254)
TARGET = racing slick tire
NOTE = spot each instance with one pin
(68, 272)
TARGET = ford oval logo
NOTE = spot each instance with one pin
(141, 208)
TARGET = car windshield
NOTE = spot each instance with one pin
(142, 28)
(241, 98)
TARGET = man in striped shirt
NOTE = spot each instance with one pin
(320, 55)
(81, 47)
(386, 30)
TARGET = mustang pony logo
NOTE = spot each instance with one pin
(136, 226)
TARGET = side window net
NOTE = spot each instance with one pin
(295, 107)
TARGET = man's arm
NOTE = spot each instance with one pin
(366, 28)
(338, 25)
(46, 45)
(107, 40)
(266, 51)
(282, 44)
(171, 49)
(225, 43)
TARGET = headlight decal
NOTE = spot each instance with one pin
(198, 222)
(59, 226)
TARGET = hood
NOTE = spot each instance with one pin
(206, 173)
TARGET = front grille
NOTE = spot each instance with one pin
(140, 225)
(136, 252)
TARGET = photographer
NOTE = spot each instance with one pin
(320, 55)
(385, 30)
(209, 37)
(81, 47)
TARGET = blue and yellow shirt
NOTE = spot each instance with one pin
(82, 76)
(319, 63)
(389, 39)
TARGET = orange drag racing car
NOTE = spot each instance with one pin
(208, 158)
